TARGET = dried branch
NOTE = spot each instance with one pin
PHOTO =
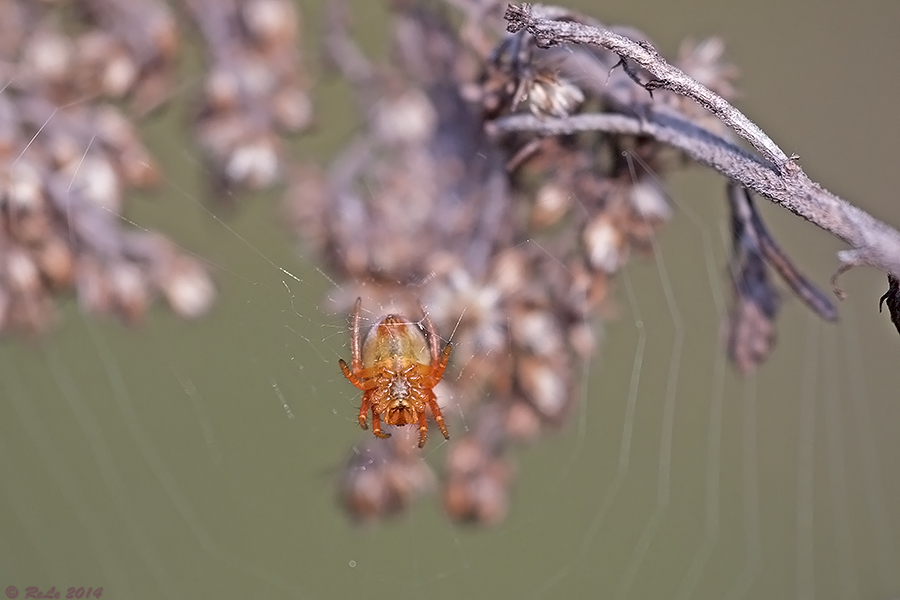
(774, 176)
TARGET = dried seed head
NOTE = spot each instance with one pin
(293, 108)
(379, 481)
(97, 181)
(582, 340)
(93, 288)
(522, 422)
(750, 336)
(22, 275)
(550, 95)
(409, 118)
(188, 288)
(22, 188)
(649, 200)
(254, 163)
(604, 244)
(129, 288)
(551, 202)
(119, 74)
(221, 90)
(163, 30)
(510, 271)
(48, 55)
(477, 485)
(544, 385)
(536, 331)
(271, 23)
(56, 263)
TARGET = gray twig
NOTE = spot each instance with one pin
(774, 176)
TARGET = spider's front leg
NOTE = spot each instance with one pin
(352, 377)
(438, 417)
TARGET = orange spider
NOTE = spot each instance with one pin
(396, 371)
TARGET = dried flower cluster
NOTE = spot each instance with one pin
(254, 90)
(70, 151)
(510, 240)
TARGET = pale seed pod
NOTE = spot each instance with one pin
(48, 55)
(536, 331)
(119, 73)
(649, 201)
(550, 95)
(188, 288)
(604, 244)
(544, 386)
(254, 163)
(408, 118)
(551, 203)
(271, 23)
(129, 287)
(97, 180)
(22, 275)
(23, 189)
(292, 108)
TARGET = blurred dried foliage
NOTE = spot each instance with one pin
(77, 76)
(509, 240)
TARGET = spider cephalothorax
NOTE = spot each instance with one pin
(396, 369)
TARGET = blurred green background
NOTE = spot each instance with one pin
(161, 462)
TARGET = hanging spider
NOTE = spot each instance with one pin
(396, 370)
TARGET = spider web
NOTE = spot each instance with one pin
(192, 460)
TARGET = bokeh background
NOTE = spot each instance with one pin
(198, 460)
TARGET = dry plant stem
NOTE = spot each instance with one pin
(537, 19)
(873, 242)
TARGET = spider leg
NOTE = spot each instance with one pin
(376, 426)
(423, 428)
(351, 376)
(436, 411)
(437, 371)
(354, 338)
(364, 409)
(432, 334)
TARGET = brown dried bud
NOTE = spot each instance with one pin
(383, 478)
(522, 422)
(56, 263)
(477, 486)
(292, 108)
